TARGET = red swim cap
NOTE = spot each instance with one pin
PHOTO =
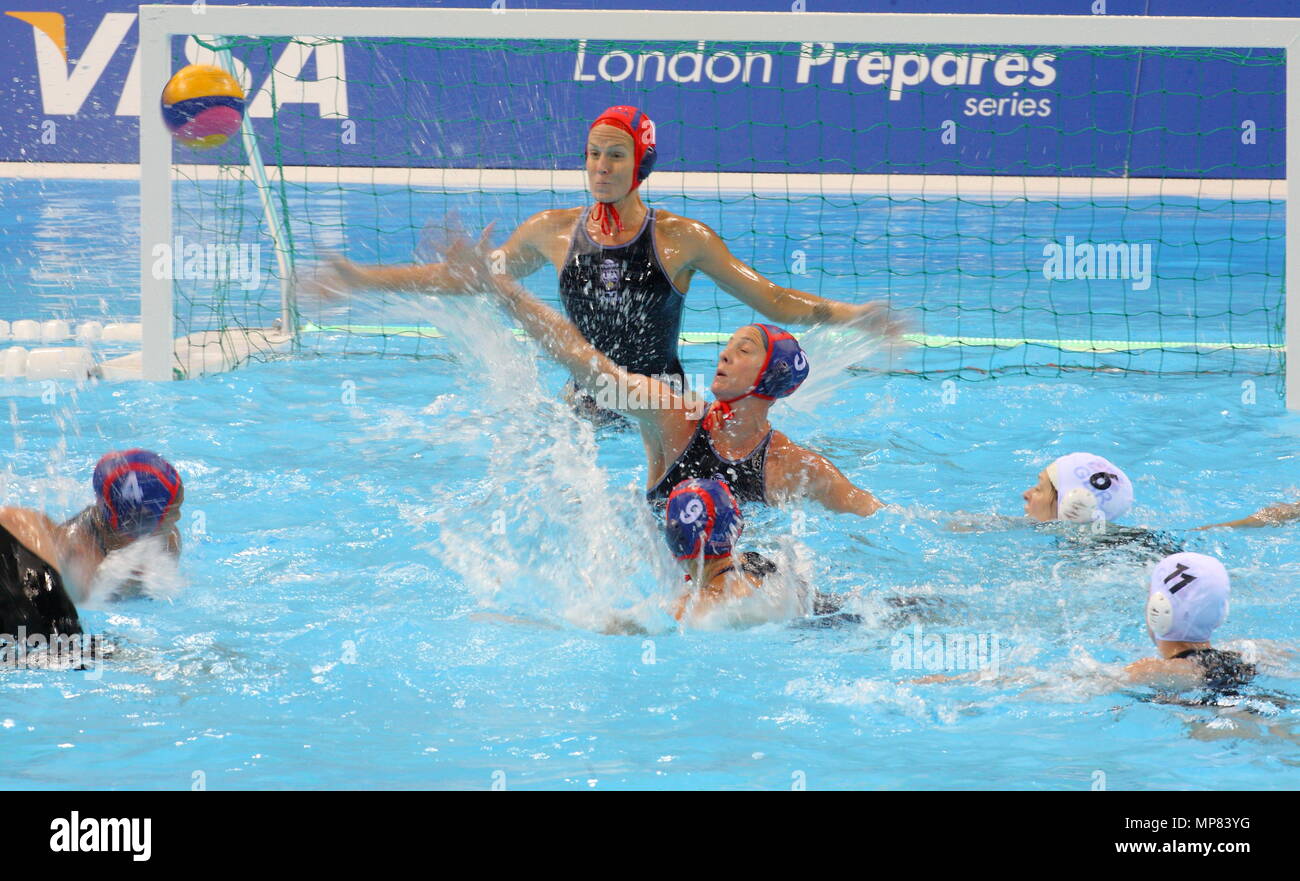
(642, 131)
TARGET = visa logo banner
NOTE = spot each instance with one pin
(70, 81)
(64, 83)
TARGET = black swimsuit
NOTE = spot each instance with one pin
(745, 477)
(1224, 671)
(753, 563)
(1135, 539)
(31, 593)
(623, 301)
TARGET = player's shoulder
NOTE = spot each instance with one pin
(792, 468)
(1143, 666)
(33, 530)
(672, 224)
(782, 444)
(23, 518)
(786, 450)
(1163, 669)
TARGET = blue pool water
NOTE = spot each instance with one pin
(399, 571)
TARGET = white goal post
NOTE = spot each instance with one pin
(159, 23)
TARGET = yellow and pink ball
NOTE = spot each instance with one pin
(202, 106)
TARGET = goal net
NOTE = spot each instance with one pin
(1035, 194)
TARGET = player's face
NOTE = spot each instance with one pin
(1040, 499)
(739, 363)
(610, 160)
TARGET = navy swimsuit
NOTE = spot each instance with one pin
(745, 477)
(623, 302)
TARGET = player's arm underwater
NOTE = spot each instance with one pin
(963, 521)
(1273, 515)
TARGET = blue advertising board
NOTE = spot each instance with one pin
(70, 90)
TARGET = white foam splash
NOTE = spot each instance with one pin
(831, 351)
(540, 529)
(861, 692)
(142, 568)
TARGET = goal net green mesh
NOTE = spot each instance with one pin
(1028, 209)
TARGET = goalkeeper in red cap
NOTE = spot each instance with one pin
(624, 268)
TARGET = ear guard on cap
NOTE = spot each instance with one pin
(1078, 506)
(786, 365)
(646, 135)
(1160, 614)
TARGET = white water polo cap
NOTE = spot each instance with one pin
(1188, 598)
(1089, 488)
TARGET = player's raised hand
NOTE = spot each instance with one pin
(472, 264)
(878, 319)
(332, 279)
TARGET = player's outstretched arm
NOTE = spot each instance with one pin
(810, 475)
(340, 276)
(519, 257)
(1273, 515)
(782, 305)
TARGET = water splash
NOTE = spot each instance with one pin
(540, 530)
(142, 568)
(831, 352)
